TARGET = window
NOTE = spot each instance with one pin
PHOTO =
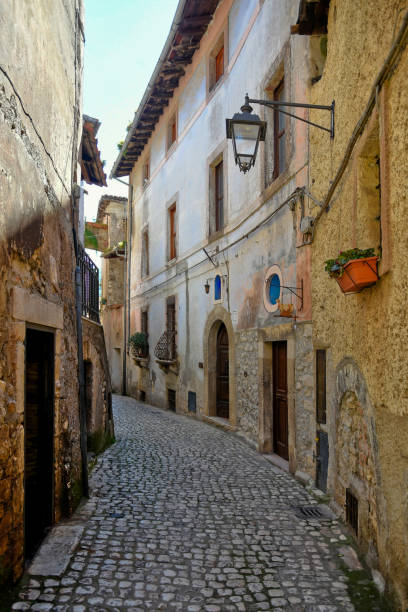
(172, 254)
(272, 288)
(219, 64)
(368, 217)
(321, 386)
(171, 325)
(192, 401)
(145, 322)
(217, 288)
(146, 173)
(279, 134)
(145, 253)
(219, 196)
(172, 132)
(216, 216)
(216, 63)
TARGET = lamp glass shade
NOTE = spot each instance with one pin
(246, 137)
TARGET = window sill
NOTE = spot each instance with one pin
(211, 90)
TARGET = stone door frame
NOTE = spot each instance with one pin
(216, 317)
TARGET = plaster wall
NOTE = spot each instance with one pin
(368, 327)
(40, 122)
(259, 35)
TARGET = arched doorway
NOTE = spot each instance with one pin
(222, 373)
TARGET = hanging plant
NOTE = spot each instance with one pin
(139, 345)
(354, 269)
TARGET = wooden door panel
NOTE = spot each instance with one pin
(222, 370)
(280, 400)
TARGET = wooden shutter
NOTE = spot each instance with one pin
(219, 196)
(172, 232)
(219, 64)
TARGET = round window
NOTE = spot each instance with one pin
(274, 288)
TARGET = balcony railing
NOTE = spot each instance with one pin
(166, 347)
(90, 285)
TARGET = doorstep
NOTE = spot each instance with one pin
(278, 461)
(218, 422)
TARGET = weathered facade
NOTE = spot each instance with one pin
(39, 145)
(359, 178)
(43, 438)
(108, 235)
(211, 250)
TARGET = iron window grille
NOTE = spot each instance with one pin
(90, 285)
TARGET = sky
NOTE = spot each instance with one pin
(123, 41)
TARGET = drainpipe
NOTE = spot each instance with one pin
(81, 373)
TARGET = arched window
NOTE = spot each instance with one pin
(217, 287)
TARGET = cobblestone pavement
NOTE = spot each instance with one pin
(184, 516)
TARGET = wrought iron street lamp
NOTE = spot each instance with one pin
(247, 130)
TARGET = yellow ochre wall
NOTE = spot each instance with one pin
(371, 327)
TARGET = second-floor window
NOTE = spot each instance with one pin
(279, 133)
(219, 196)
(171, 324)
(172, 253)
(145, 253)
(216, 63)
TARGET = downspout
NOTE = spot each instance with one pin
(124, 386)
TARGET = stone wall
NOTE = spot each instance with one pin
(368, 327)
(247, 365)
(99, 405)
(41, 52)
(305, 400)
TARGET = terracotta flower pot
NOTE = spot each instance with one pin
(357, 274)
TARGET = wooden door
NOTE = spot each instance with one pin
(222, 388)
(38, 439)
(280, 400)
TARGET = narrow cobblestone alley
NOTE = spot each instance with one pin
(184, 516)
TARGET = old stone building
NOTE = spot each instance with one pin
(359, 179)
(42, 421)
(217, 257)
(108, 235)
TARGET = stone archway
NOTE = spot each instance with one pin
(218, 317)
(354, 462)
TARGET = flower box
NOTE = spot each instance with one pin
(358, 274)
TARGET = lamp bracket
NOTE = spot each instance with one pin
(278, 105)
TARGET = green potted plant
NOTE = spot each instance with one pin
(104, 301)
(139, 345)
(354, 269)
